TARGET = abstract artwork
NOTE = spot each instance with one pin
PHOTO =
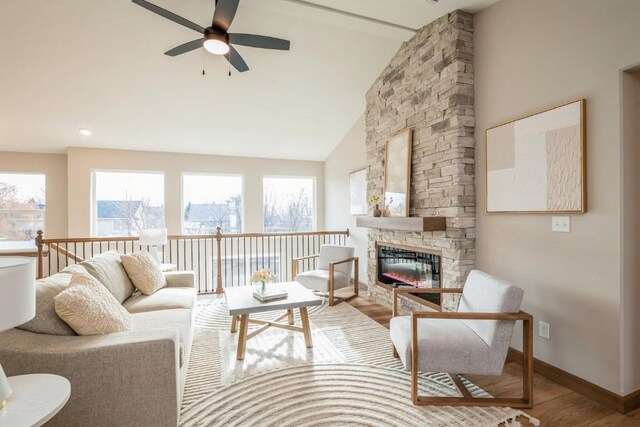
(537, 164)
(358, 192)
(397, 174)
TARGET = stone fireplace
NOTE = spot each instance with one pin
(428, 87)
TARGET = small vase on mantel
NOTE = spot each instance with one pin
(377, 212)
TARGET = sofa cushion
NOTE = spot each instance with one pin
(446, 345)
(318, 280)
(46, 321)
(108, 269)
(484, 293)
(144, 272)
(178, 319)
(163, 299)
(90, 309)
(333, 253)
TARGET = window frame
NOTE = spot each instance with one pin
(44, 215)
(314, 197)
(93, 202)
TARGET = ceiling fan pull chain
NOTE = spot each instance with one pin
(203, 73)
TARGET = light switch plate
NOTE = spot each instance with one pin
(561, 224)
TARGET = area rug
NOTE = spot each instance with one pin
(348, 378)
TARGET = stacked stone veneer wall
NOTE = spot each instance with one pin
(428, 87)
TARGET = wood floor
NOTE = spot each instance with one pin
(554, 405)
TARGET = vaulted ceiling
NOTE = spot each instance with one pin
(96, 64)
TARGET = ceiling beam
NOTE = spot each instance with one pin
(351, 15)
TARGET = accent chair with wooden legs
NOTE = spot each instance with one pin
(473, 340)
(335, 264)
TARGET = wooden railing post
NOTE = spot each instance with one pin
(40, 255)
(219, 289)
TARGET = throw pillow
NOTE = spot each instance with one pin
(46, 321)
(108, 269)
(90, 309)
(144, 271)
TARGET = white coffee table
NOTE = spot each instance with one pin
(242, 304)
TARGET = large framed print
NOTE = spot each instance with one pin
(537, 164)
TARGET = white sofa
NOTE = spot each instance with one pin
(133, 378)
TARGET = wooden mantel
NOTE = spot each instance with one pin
(412, 223)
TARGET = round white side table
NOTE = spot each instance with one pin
(35, 400)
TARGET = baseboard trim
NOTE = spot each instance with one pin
(606, 398)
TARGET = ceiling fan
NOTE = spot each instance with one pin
(216, 38)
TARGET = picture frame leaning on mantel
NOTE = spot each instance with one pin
(397, 174)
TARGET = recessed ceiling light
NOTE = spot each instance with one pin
(85, 132)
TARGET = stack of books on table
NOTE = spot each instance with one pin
(269, 294)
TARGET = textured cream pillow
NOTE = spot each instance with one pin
(144, 271)
(90, 309)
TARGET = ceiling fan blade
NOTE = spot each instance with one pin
(169, 15)
(236, 60)
(224, 14)
(184, 48)
(263, 42)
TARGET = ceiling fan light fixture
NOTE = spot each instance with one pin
(216, 44)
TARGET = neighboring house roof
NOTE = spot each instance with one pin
(112, 209)
(207, 212)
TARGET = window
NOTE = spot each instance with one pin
(22, 199)
(211, 201)
(289, 204)
(127, 202)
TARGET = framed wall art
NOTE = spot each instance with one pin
(397, 174)
(536, 164)
(358, 192)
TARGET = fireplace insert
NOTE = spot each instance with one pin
(402, 266)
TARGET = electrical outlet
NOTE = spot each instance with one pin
(543, 329)
(561, 224)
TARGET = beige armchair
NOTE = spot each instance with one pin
(473, 340)
(335, 264)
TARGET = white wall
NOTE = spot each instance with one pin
(81, 162)
(531, 55)
(350, 155)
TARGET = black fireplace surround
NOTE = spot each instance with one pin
(401, 266)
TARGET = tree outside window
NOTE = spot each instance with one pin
(288, 204)
(22, 206)
(127, 202)
(211, 201)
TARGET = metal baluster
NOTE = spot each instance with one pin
(231, 251)
(191, 254)
(184, 254)
(206, 267)
(269, 252)
(238, 251)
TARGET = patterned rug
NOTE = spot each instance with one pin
(348, 378)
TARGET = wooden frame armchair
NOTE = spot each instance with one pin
(429, 334)
(335, 264)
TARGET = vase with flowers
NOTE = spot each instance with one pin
(375, 200)
(263, 276)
